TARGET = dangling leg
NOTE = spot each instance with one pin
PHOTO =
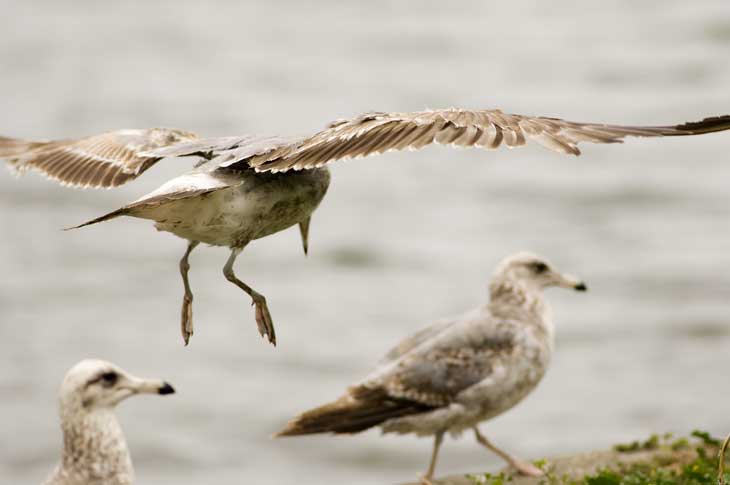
(263, 317)
(523, 467)
(438, 438)
(186, 317)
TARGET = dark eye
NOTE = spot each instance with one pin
(539, 267)
(108, 379)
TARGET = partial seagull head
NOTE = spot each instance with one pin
(533, 273)
(94, 384)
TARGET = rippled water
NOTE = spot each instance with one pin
(399, 241)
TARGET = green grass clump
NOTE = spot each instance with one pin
(668, 469)
(651, 444)
(490, 478)
(705, 437)
(702, 471)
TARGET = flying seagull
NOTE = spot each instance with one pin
(458, 372)
(248, 187)
(94, 449)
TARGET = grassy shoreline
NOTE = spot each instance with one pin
(658, 460)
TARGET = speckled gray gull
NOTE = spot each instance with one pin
(94, 449)
(248, 187)
(460, 371)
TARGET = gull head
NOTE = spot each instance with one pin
(534, 272)
(96, 384)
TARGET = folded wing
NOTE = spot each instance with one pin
(409, 343)
(422, 379)
(436, 374)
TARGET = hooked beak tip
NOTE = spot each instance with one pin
(581, 287)
(166, 389)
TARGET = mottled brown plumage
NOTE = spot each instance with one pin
(458, 372)
(360, 409)
(94, 449)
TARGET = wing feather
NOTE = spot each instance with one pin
(379, 132)
(105, 160)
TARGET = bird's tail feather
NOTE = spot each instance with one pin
(105, 217)
(351, 413)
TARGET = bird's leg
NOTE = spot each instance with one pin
(426, 478)
(523, 467)
(263, 317)
(186, 316)
(304, 231)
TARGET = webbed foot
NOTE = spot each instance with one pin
(263, 318)
(186, 318)
(526, 468)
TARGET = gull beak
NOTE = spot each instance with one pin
(571, 282)
(148, 386)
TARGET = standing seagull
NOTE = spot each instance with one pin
(458, 372)
(94, 449)
(249, 187)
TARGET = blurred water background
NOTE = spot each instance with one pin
(399, 241)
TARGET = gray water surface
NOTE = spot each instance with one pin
(399, 241)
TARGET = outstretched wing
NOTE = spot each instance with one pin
(114, 158)
(374, 133)
(105, 160)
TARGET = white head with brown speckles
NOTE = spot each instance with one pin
(94, 448)
(534, 272)
(519, 281)
(93, 384)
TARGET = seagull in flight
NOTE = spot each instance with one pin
(247, 187)
(458, 372)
